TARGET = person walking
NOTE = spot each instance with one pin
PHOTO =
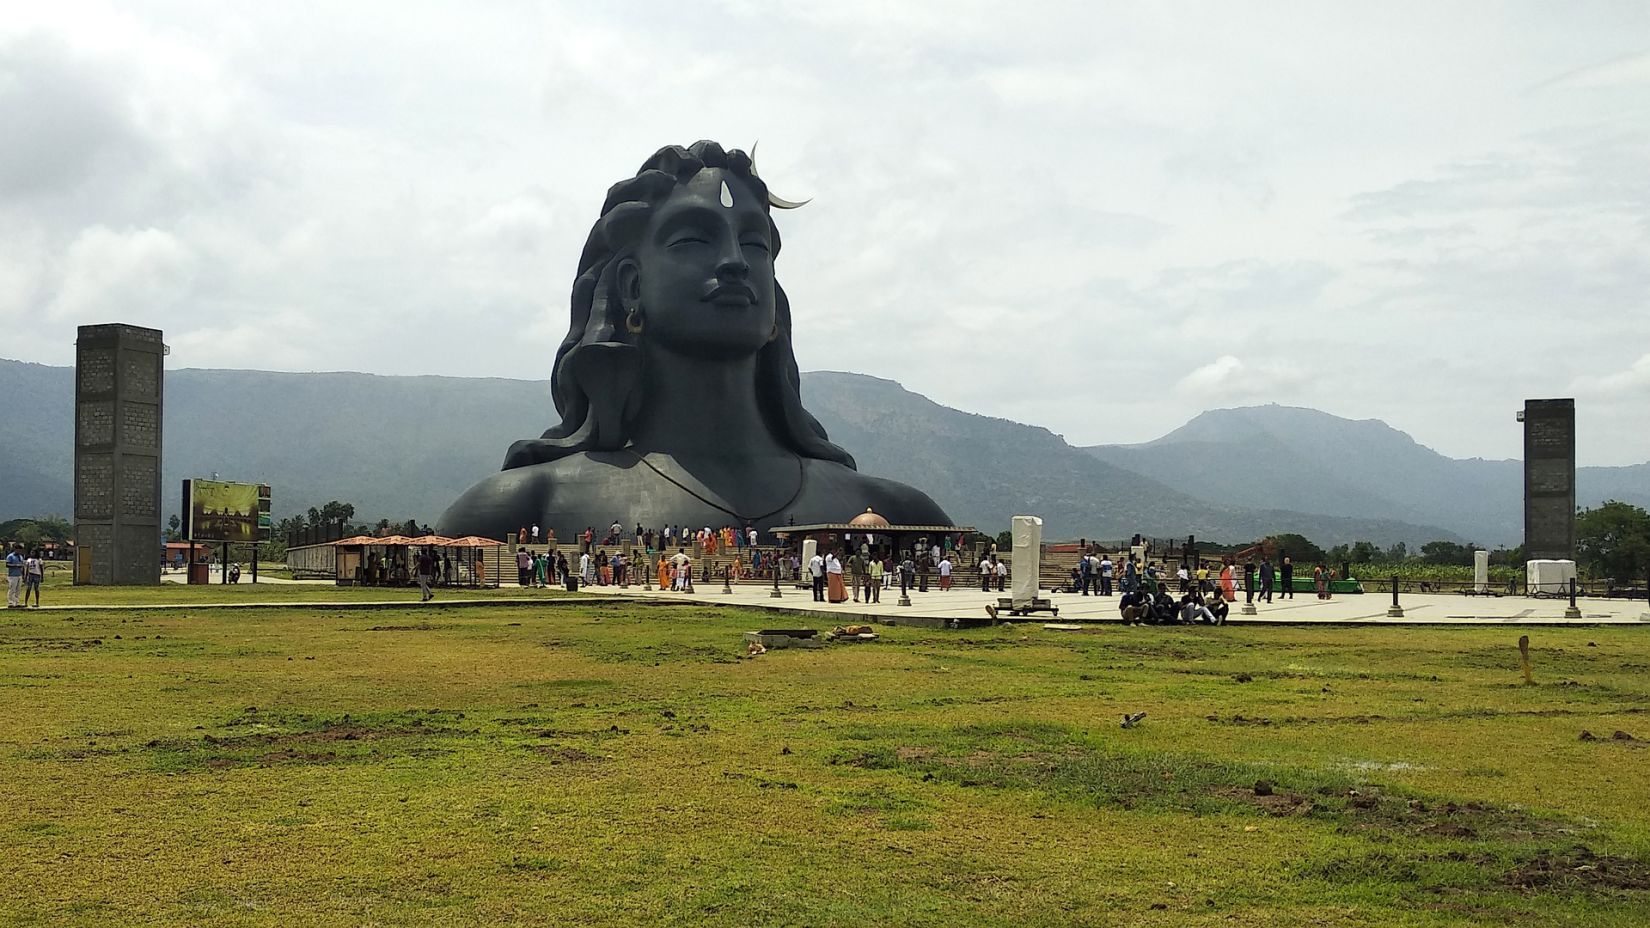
(1320, 581)
(1267, 574)
(835, 591)
(816, 571)
(856, 574)
(14, 576)
(524, 564)
(426, 570)
(945, 572)
(873, 586)
(986, 573)
(1002, 576)
(34, 571)
(1105, 574)
(1287, 576)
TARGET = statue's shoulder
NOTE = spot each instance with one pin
(499, 504)
(897, 502)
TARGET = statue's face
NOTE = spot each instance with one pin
(704, 270)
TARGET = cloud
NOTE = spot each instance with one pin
(1011, 204)
(109, 274)
(1633, 382)
(1228, 379)
(63, 118)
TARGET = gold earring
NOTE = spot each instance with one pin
(633, 321)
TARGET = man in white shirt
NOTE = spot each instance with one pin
(816, 570)
(684, 570)
(986, 574)
(1105, 575)
(945, 573)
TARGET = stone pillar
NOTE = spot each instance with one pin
(809, 549)
(1549, 479)
(1481, 571)
(1027, 532)
(119, 381)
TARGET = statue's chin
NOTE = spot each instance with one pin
(712, 346)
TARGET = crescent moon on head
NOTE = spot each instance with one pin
(774, 201)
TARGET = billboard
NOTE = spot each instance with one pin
(221, 510)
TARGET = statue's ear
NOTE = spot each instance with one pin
(629, 276)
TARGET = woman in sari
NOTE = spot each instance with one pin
(664, 572)
(836, 592)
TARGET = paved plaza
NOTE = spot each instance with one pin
(1367, 608)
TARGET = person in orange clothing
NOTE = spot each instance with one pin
(664, 572)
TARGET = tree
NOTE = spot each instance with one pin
(1297, 547)
(55, 528)
(1446, 552)
(1364, 552)
(174, 525)
(1005, 540)
(332, 511)
(1614, 540)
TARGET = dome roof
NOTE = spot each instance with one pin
(868, 519)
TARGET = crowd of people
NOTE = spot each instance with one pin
(838, 576)
(704, 541)
(1151, 591)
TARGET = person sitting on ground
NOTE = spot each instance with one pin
(1220, 609)
(1192, 609)
(1163, 608)
(1132, 607)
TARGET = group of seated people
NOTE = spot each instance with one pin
(1143, 607)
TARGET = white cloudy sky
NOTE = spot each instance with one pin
(1101, 218)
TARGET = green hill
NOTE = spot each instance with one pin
(404, 447)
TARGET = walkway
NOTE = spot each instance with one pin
(936, 608)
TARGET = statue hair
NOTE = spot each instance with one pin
(597, 381)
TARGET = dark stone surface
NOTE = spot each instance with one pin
(676, 384)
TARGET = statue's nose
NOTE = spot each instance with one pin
(732, 264)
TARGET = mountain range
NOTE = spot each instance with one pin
(403, 447)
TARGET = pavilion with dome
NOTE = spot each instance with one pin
(877, 532)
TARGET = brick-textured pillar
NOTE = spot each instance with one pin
(119, 382)
(1549, 479)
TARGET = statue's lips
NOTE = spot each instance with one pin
(733, 296)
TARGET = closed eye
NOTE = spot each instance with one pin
(688, 240)
(754, 244)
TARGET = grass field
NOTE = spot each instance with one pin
(625, 765)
